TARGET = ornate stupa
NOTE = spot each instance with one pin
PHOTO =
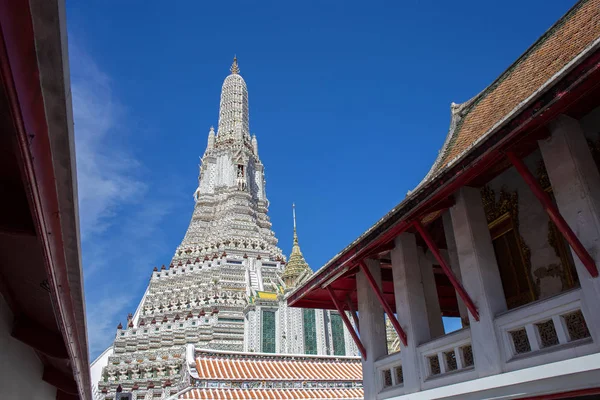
(224, 289)
(297, 268)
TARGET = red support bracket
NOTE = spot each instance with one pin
(447, 270)
(353, 313)
(349, 326)
(554, 214)
(386, 307)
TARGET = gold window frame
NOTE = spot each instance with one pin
(503, 219)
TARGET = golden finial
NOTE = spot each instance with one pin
(234, 67)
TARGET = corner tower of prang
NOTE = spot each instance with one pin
(230, 214)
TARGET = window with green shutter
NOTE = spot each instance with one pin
(337, 333)
(268, 331)
(310, 331)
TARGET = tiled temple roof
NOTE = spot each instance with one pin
(215, 368)
(228, 375)
(562, 43)
(255, 394)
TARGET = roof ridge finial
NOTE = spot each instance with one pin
(294, 214)
(234, 67)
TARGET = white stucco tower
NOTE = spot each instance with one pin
(225, 287)
(231, 203)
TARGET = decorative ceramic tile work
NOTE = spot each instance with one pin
(520, 341)
(576, 326)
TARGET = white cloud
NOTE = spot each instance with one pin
(106, 175)
(121, 225)
(100, 321)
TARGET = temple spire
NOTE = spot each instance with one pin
(234, 117)
(234, 67)
(296, 267)
(294, 215)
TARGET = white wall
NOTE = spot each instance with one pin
(20, 369)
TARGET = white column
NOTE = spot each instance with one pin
(372, 327)
(410, 307)
(481, 278)
(451, 256)
(432, 301)
(576, 185)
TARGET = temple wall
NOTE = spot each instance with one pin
(20, 368)
(533, 227)
(533, 220)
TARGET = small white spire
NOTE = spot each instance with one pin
(211, 137)
(294, 214)
(255, 144)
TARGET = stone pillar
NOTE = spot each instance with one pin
(372, 327)
(576, 185)
(481, 277)
(451, 256)
(432, 301)
(410, 307)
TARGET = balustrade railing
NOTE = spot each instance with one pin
(449, 356)
(531, 333)
(389, 373)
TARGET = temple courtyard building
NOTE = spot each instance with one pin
(224, 292)
(503, 232)
(43, 338)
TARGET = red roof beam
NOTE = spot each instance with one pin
(349, 326)
(386, 307)
(353, 312)
(455, 283)
(554, 214)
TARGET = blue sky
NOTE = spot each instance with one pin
(350, 102)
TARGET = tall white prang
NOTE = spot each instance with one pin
(226, 285)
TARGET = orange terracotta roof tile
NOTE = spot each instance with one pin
(570, 36)
(259, 394)
(229, 368)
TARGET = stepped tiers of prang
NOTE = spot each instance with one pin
(226, 285)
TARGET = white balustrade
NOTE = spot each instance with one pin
(447, 359)
(544, 331)
(390, 379)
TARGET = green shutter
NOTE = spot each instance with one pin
(337, 332)
(268, 332)
(310, 331)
